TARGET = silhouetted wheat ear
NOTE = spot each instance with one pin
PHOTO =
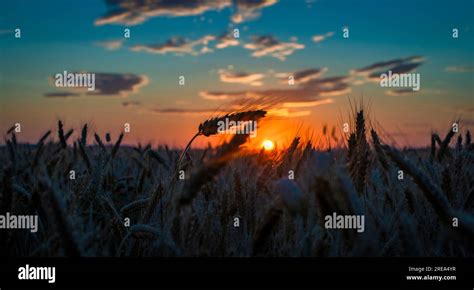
(444, 146)
(99, 141)
(44, 137)
(211, 126)
(459, 143)
(468, 139)
(62, 139)
(433, 147)
(378, 149)
(359, 153)
(85, 156)
(117, 145)
(360, 125)
(84, 135)
(11, 129)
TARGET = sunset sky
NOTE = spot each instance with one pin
(137, 78)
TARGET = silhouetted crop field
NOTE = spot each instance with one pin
(96, 197)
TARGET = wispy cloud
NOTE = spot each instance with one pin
(61, 95)
(110, 44)
(178, 46)
(131, 103)
(390, 64)
(400, 65)
(253, 79)
(118, 84)
(309, 90)
(287, 101)
(279, 112)
(183, 111)
(250, 9)
(322, 37)
(267, 45)
(460, 69)
(132, 12)
(302, 76)
(401, 92)
(222, 96)
(225, 40)
(107, 84)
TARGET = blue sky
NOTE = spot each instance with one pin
(66, 35)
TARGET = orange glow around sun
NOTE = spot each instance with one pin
(268, 145)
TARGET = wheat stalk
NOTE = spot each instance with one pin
(435, 196)
(117, 145)
(210, 127)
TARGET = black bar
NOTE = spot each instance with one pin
(134, 273)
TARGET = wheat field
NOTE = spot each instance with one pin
(130, 201)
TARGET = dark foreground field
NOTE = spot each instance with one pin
(233, 202)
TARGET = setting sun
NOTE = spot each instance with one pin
(268, 145)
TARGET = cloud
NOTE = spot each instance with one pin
(118, 84)
(399, 69)
(460, 69)
(279, 112)
(400, 64)
(106, 84)
(372, 72)
(61, 95)
(131, 104)
(179, 46)
(226, 40)
(330, 86)
(132, 12)
(241, 78)
(250, 9)
(221, 96)
(267, 45)
(110, 44)
(310, 89)
(320, 38)
(302, 76)
(390, 63)
(183, 111)
(304, 93)
(401, 92)
(286, 102)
